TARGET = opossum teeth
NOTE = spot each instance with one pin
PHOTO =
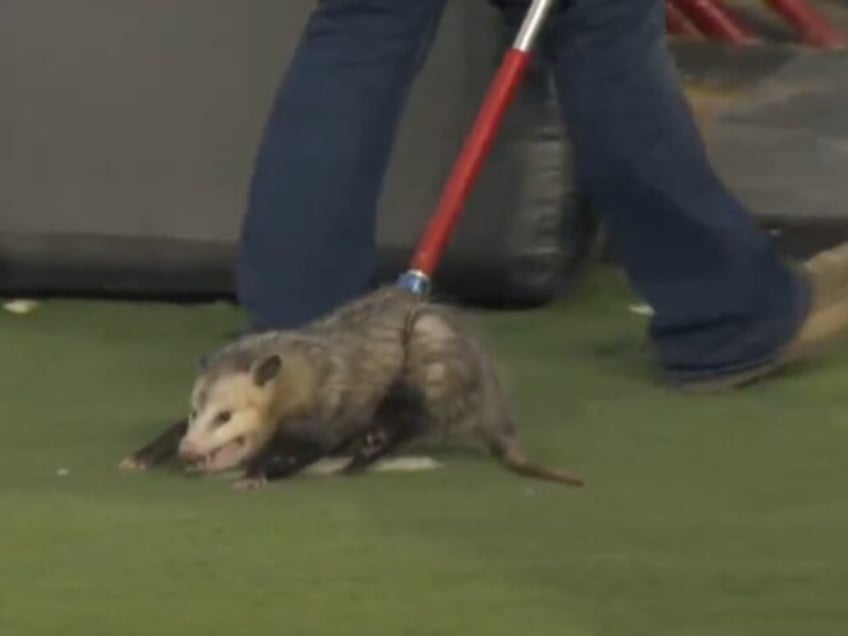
(203, 463)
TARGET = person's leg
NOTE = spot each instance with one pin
(307, 241)
(723, 300)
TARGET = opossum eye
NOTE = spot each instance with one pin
(223, 417)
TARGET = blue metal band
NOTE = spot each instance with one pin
(416, 282)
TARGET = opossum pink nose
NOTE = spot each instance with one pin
(189, 451)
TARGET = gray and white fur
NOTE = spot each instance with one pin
(375, 374)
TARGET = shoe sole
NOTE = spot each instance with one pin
(823, 327)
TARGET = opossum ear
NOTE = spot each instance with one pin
(202, 361)
(267, 370)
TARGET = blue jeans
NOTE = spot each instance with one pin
(722, 297)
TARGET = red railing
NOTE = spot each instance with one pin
(678, 23)
(713, 19)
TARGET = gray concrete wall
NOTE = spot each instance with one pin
(129, 128)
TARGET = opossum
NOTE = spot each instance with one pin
(377, 373)
(331, 373)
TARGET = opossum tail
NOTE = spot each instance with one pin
(510, 454)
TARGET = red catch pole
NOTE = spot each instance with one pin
(474, 151)
(470, 161)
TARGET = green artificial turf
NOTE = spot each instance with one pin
(721, 516)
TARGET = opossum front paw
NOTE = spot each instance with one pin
(132, 464)
(250, 483)
(374, 442)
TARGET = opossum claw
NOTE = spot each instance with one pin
(132, 464)
(252, 483)
(156, 451)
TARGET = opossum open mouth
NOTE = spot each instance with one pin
(222, 458)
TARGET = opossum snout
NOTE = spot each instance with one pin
(189, 452)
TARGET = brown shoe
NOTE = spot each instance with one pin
(826, 322)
